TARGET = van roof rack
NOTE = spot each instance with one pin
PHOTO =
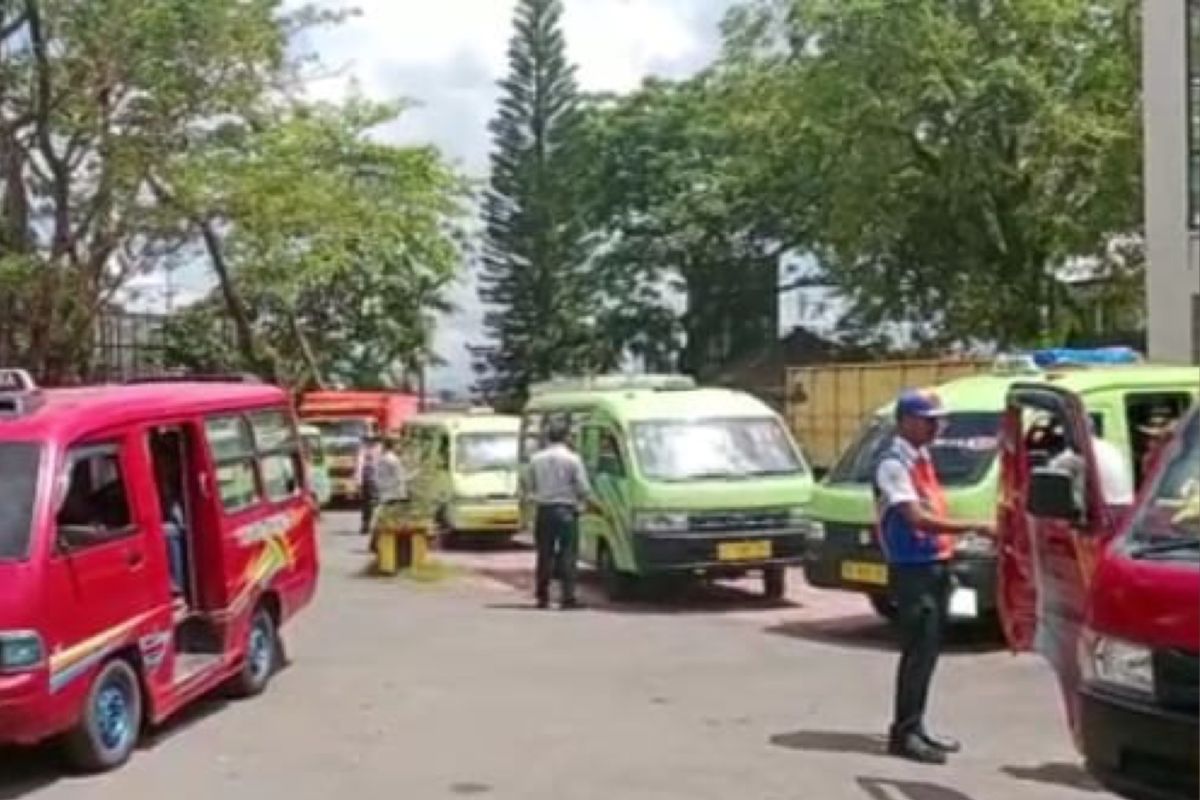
(614, 383)
(19, 393)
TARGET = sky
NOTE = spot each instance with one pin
(445, 56)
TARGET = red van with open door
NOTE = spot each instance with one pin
(1110, 596)
(153, 540)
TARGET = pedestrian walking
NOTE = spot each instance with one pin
(918, 541)
(391, 484)
(557, 484)
(368, 483)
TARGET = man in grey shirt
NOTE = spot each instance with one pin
(557, 483)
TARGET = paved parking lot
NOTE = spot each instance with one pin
(459, 688)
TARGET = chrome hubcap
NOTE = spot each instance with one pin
(112, 709)
(260, 651)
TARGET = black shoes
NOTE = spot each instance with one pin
(571, 605)
(943, 743)
(914, 748)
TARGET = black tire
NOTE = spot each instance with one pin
(884, 606)
(262, 656)
(775, 582)
(111, 722)
(618, 585)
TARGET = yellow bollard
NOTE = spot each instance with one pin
(386, 560)
(420, 548)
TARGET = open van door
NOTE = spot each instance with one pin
(1053, 525)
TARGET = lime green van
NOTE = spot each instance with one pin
(691, 480)
(843, 552)
(475, 464)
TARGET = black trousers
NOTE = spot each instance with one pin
(370, 501)
(556, 532)
(922, 595)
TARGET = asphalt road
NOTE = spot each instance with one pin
(458, 688)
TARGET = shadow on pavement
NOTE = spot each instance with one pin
(869, 632)
(23, 770)
(863, 744)
(484, 543)
(1070, 776)
(889, 789)
(662, 597)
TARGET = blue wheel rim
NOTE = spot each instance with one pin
(113, 708)
(259, 654)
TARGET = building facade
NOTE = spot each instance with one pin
(1171, 98)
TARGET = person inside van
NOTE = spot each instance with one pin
(1116, 474)
(168, 476)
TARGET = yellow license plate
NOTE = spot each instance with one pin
(857, 572)
(743, 551)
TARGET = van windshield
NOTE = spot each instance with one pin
(486, 452)
(344, 429)
(685, 450)
(962, 454)
(1167, 526)
(18, 487)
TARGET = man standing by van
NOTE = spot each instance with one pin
(557, 483)
(917, 541)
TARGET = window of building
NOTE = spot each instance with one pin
(1193, 10)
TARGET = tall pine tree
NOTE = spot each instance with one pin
(534, 278)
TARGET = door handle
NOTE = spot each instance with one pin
(135, 558)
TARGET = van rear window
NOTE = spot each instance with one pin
(19, 463)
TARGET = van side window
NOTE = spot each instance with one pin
(1151, 417)
(531, 435)
(608, 458)
(95, 507)
(232, 447)
(278, 450)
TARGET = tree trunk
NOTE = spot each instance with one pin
(243, 330)
(306, 352)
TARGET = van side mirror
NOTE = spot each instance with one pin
(1052, 495)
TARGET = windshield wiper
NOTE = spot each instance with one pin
(1152, 549)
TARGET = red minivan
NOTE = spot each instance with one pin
(1110, 596)
(153, 539)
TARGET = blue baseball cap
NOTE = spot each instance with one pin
(925, 405)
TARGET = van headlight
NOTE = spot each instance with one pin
(20, 650)
(661, 522)
(812, 529)
(1116, 663)
(974, 544)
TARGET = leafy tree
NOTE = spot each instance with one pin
(331, 249)
(953, 156)
(94, 94)
(534, 277)
(673, 215)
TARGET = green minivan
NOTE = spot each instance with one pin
(691, 480)
(843, 552)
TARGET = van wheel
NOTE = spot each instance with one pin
(775, 582)
(618, 585)
(262, 656)
(111, 722)
(884, 606)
